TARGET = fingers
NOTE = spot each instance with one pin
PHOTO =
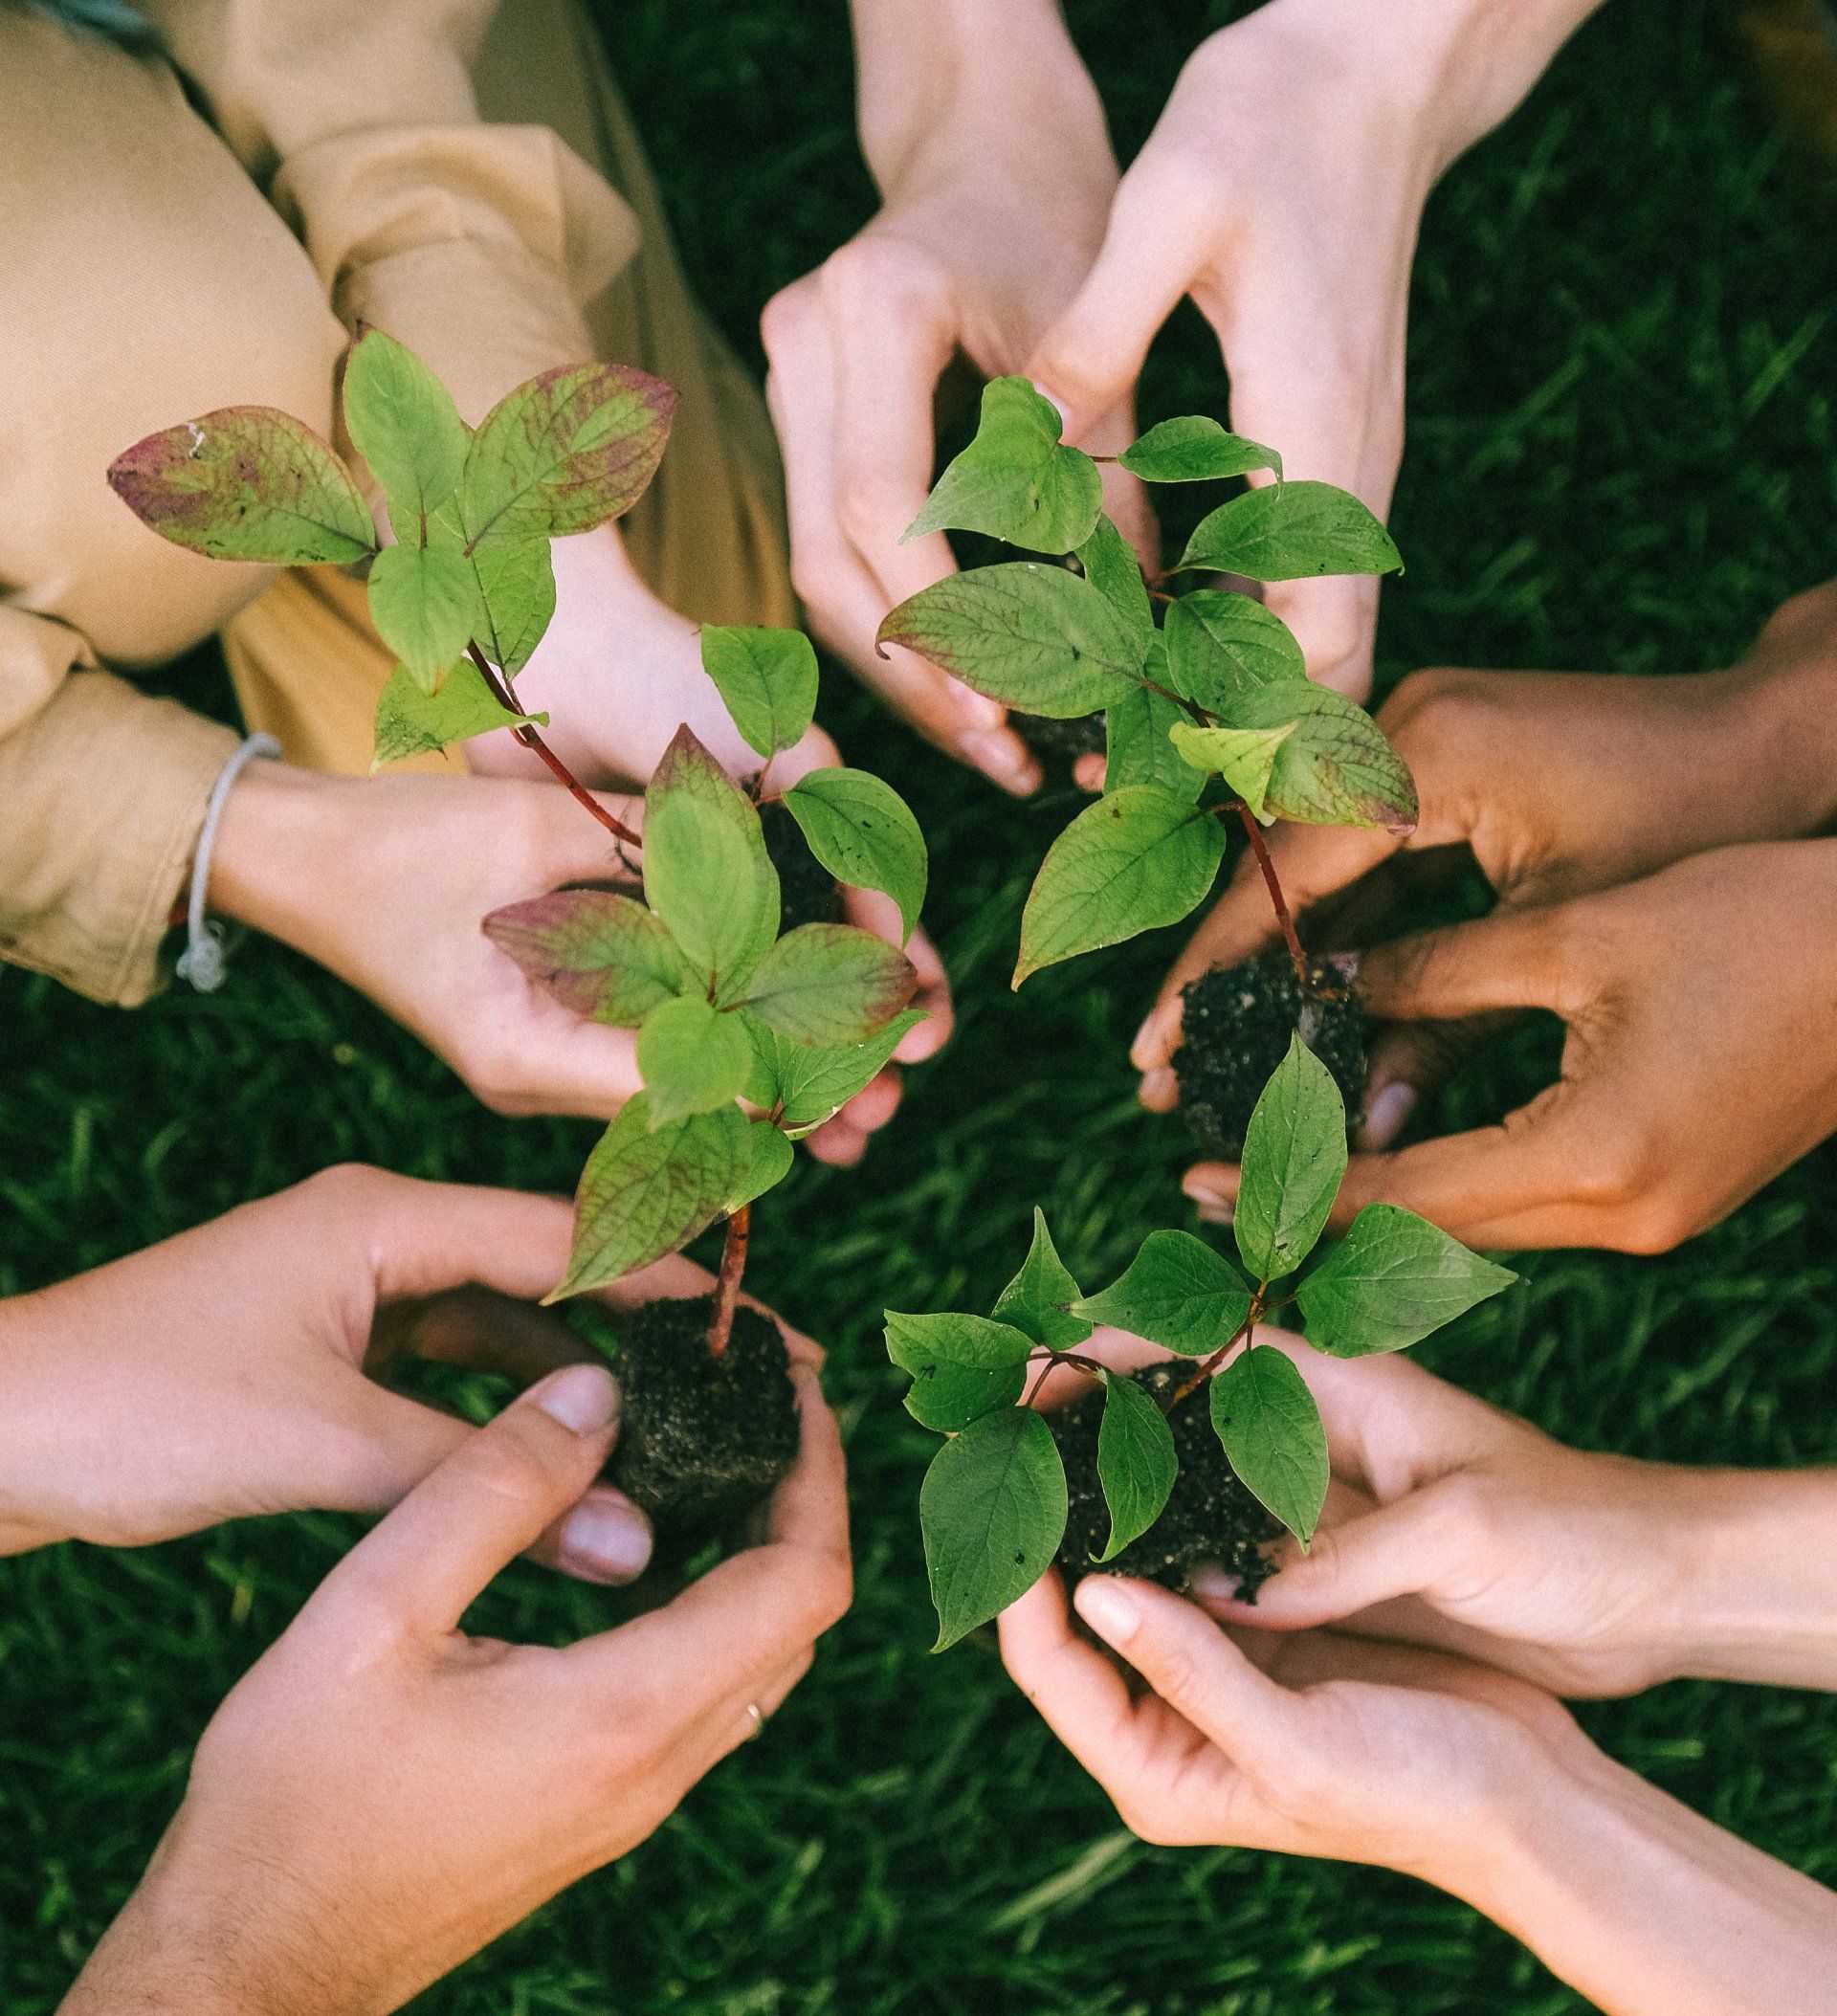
(1411, 1059)
(497, 1494)
(1083, 1698)
(1508, 960)
(479, 1328)
(1397, 1550)
(874, 912)
(1189, 1661)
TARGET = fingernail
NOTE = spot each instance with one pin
(1002, 757)
(1211, 1585)
(1111, 1613)
(1058, 404)
(1386, 1114)
(1214, 1206)
(585, 1398)
(606, 1538)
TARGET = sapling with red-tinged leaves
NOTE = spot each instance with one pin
(1203, 1458)
(1210, 722)
(750, 1033)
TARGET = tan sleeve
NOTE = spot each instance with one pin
(475, 245)
(104, 791)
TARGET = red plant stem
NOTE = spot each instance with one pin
(733, 1264)
(1260, 847)
(1209, 1365)
(531, 739)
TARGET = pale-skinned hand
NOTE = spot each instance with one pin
(1557, 784)
(382, 1795)
(987, 142)
(1282, 189)
(1699, 1059)
(235, 1369)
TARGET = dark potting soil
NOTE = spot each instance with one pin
(808, 893)
(1060, 742)
(1235, 1026)
(1210, 1515)
(702, 1439)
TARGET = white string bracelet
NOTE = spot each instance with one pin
(202, 961)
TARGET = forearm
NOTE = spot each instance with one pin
(1649, 1910)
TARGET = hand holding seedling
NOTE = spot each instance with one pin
(1530, 772)
(1701, 1057)
(988, 141)
(1183, 1463)
(1282, 189)
(383, 1795)
(1454, 1526)
(237, 1370)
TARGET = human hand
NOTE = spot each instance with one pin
(1315, 1744)
(1700, 1057)
(237, 1369)
(406, 1792)
(1282, 189)
(386, 881)
(987, 142)
(1531, 773)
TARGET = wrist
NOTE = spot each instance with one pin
(270, 868)
(1782, 710)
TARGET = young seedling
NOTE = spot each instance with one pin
(1207, 1457)
(727, 1006)
(1209, 720)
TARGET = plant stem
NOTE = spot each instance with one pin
(733, 1264)
(532, 739)
(1208, 1367)
(1260, 847)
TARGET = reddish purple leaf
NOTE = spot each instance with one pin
(598, 953)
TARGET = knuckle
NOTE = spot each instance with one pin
(349, 1189)
(513, 1464)
(883, 271)
(873, 511)
(1177, 1678)
(787, 318)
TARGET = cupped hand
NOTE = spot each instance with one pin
(406, 1792)
(1316, 1745)
(994, 182)
(1282, 189)
(1699, 1058)
(1557, 783)
(1454, 1526)
(237, 1370)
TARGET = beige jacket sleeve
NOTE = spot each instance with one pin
(477, 246)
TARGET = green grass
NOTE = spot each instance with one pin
(1621, 456)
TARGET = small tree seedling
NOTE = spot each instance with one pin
(726, 1006)
(1208, 717)
(1203, 1459)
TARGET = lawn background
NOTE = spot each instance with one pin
(1621, 456)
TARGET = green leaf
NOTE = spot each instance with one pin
(768, 677)
(645, 1192)
(706, 871)
(1272, 1432)
(1335, 769)
(1195, 449)
(1138, 744)
(598, 953)
(1014, 480)
(772, 1157)
(810, 1082)
(962, 1366)
(1294, 1157)
(1289, 531)
(692, 1058)
(1136, 858)
(861, 830)
(1038, 1298)
(410, 722)
(1111, 568)
(515, 586)
(830, 984)
(1177, 1294)
(1033, 636)
(246, 482)
(403, 422)
(565, 453)
(1244, 757)
(1221, 646)
(993, 1507)
(1136, 1461)
(1390, 1282)
(422, 601)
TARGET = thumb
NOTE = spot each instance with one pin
(495, 1496)
(1087, 363)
